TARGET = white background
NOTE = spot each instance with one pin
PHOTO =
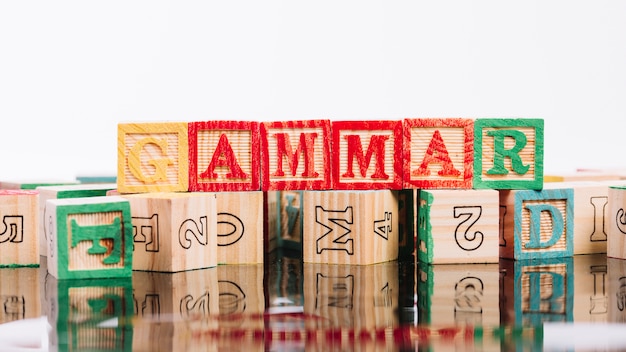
(70, 71)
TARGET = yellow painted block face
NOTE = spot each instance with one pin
(153, 157)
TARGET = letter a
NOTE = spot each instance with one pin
(224, 156)
(438, 152)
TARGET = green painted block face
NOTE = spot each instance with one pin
(99, 247)
(424, 228)
(508, 154)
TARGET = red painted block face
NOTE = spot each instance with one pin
(295, 155)
(438, 153)
(367, 155)
(223, 156)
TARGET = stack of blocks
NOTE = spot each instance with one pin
(200, 193)
(347, 177)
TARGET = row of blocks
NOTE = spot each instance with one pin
(109, 236)
(417, 153)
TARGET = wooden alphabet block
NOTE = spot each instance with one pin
(616, 241)
(19, 244)
(90, 314)
(239, 227)
(61, 192)
(176, 311)
(359, 297)
(591, 221)
(89, 237)
(33, 184)
(438, 153)
(578, 176)
(152, 157)
(458, 226)
(350, 227)
(367, 155)
(458, 295)
(295, 155)
(224, 156)
(536, 224)
(174, 231)
(508, 153)
(536, 291)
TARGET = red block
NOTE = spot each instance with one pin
(224, 156)
(367, 155)
(438, 153)
(295, 155)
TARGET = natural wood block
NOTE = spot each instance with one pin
(536, 224)
(89, 237)
(590, 288)
(19, 244)
(224, 156)
(458, 295)
(175, 310)
(580, 176)
(616, 173)
(174, 231)
(239, 227)
(536, 291)
(295, 155)
(61, 192)
(591, 219)
(152, 157)
(458, 226)
(33, 184)
(366, 155)
(438, 153)
(21, 294)
(508, 153)
(350, 227)
(359, 297)
(90, 314)
(616, 244)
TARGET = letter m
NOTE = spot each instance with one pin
(305, 147)
(355, 150)
(338, 229)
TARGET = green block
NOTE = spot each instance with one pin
(508, 153)
(89, 237)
